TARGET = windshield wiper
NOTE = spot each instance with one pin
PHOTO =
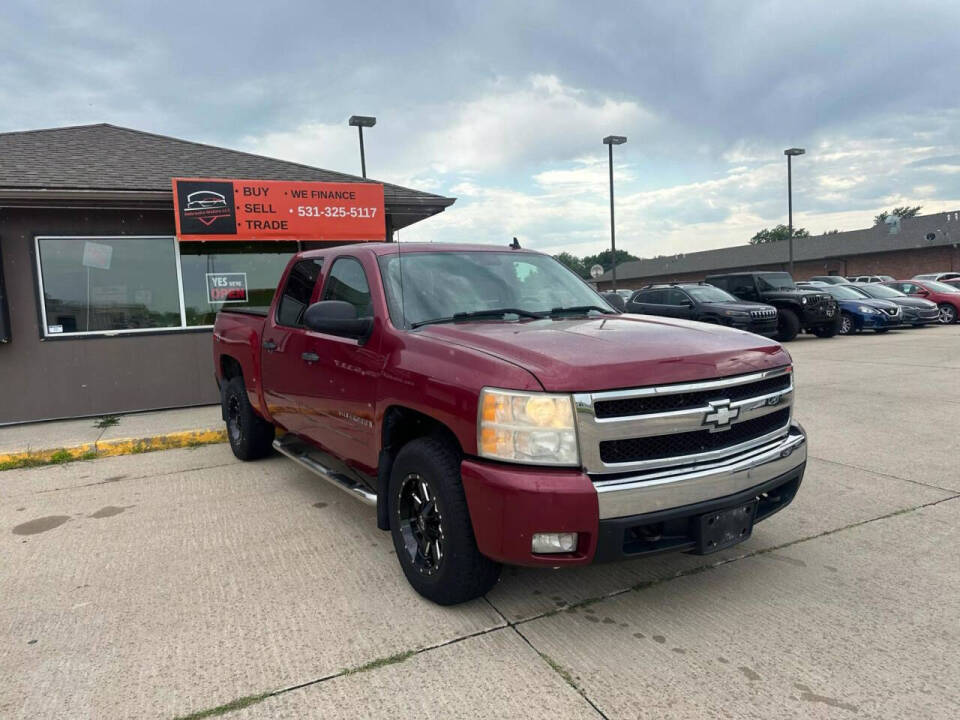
(580, 309)
(478, 315)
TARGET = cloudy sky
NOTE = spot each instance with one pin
(504, 104)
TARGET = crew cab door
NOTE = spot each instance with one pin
(341, 374)
(283, 341)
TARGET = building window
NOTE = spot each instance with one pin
(108, 284)
(218, 274)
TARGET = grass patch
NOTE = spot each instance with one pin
(105, 421)
(59, 457)
(237, 704)
(560, 670)
(380, 662)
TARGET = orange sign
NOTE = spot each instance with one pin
(219, 209)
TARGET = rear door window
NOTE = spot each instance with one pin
(651, 297)
(348, 282)
(298, 291)
(675, 297)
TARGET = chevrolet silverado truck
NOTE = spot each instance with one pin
(495, 409)
(797, 308)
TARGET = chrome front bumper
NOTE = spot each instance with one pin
(650, 492)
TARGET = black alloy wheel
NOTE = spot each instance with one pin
(420, 520)
(234, 421)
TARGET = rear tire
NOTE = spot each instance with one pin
(250, 436)
(788, 325)
(430, 525)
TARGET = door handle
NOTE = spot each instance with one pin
(269, 345)
(310, 356)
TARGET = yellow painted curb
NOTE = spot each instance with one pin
(111, 448)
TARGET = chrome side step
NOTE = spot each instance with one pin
(326, 466)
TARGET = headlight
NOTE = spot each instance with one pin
(803, 300)
(736, 313)
(525, 427)
(867, 310)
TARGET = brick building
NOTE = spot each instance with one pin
(929, 243)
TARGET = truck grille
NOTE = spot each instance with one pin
(681, 401)
(691, 443)
(649, 428)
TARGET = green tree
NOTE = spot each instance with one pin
(572, 262)
(605, 260)
(831, 232)
(780, 232)
(905, 211)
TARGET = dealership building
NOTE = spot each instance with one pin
(104, 307)
(924, 244)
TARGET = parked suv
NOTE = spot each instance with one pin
(810, 310)
(705, 303)
(871, 278)
(945, 296)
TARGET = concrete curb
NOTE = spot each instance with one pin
(110, 448)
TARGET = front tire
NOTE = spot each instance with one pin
(948, 314)
(828, 331)
(250, 436)
(788, 325)
(430, 525)
(847, 324)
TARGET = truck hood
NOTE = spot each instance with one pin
(617, 351)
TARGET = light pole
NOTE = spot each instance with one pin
(610, 141)
(360, 122)
(790, 152)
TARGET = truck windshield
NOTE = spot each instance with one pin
(776, 281)
(441, 285)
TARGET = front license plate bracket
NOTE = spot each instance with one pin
(723, 528)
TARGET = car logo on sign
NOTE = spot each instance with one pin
(720, 415)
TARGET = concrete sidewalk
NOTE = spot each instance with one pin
(64, 440)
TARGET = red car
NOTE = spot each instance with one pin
(947, 297)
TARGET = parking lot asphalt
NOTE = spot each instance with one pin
(183, 581)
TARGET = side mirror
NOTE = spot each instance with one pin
(686, 304)
(923, 293)
(336, 317)
(616, 300)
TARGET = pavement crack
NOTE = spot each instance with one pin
(883, 474)
(134, 477)
(374, 664)
(710, 566)
(562, 672)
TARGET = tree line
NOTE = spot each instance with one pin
(782, 232)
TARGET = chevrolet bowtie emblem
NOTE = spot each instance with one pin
(720, 415)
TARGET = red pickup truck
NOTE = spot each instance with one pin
(495, 409)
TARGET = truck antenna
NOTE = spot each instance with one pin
(515, 244)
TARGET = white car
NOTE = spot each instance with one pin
(939, 277)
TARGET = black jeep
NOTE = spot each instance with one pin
(810, 310)
(705, 303)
